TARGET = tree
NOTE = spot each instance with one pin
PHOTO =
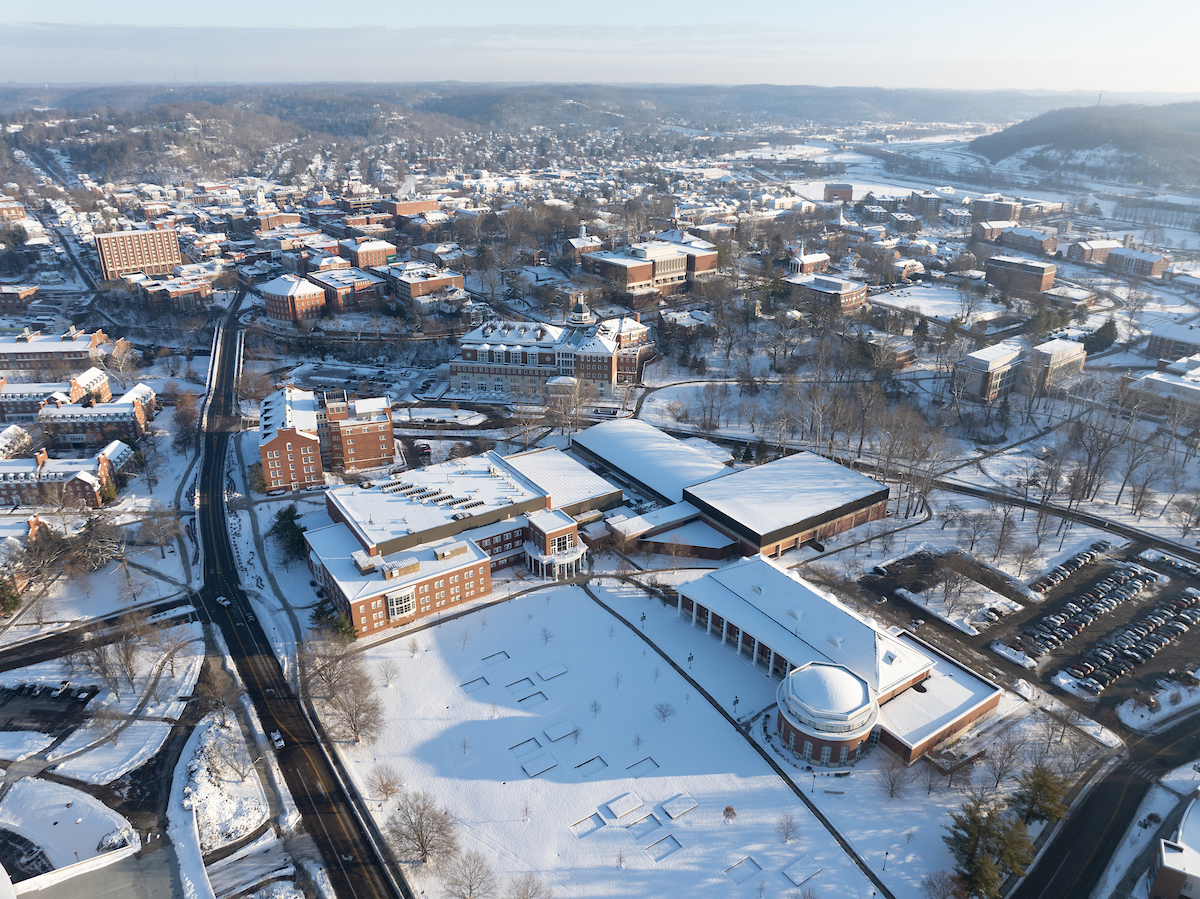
(1102, 338)
(168, 640)
(1041, 794)
(218, 691)
(356, 706)
(122, 362)
(1003, 759)
(327, 659)
(288, 534)
(160, 526)
(664, 710)
(422, 828)
(894, 777)
(785, 828)
(385, 780)
(187, 423)
(528, 886)
(470, 877)
(388, 669)
(939, 885)
(111, 717)
(985, 841)
(729, 814)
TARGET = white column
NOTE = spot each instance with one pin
(695, 605)
(708, 626)
(770, 660)
(741, 634)
(724, 630)
(678, 605)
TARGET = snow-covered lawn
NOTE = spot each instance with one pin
(135, 746)
(498, 719)
(18, 744)
(228, 806)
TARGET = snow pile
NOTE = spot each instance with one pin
(228, 806)
(1172, 699)
(135, 746)
(280, 889)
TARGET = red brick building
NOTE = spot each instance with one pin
(360, 434)
(1140, 264)
(292, 299)
(348, 289)
(365, 252)
(289, 445)
(17, 297)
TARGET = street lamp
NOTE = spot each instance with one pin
(643, 620)
(735, 703)
(690, 657)
(885, 858)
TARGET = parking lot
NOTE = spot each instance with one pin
(1126, 615)
(20, 709)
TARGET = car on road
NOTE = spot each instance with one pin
(222, 601)
(277, 739)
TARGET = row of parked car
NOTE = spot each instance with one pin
(65, 690)
(1137, 642)
(1064, 570)
(1053, 630)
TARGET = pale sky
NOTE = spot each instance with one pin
(1020, 44)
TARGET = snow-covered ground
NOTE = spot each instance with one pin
(68, 824)
(502, 720)
(227, 805)
(1172, 700)
(1158, 801)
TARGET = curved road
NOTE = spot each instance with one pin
(349, 857)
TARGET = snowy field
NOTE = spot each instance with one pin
(541, 710)
(227, 805)
(68, 825)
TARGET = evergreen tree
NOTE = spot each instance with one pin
(1041, 794)
(1102, 338)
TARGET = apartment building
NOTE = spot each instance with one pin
(989, 374)
(33, 351)
(67, 425)
(839, 193)
(11, 210)
(178, 294)
(360, 433)
(1171, 340)
(154, 252)
(394, 206)
(991, 209)
(38, 480)
(22, 401)
(1029, 240)
(289, 447)
(1137, 263)
(1092, 251)
(925, 204)
(411, 281)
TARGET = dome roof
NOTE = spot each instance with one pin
(830, 689)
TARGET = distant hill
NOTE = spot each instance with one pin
(1154, 145)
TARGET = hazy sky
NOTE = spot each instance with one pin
(1100, 45)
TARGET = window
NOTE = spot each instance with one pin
(561, 543)
(806, 753)
(826, 751)
(844, 755)
(400, 605)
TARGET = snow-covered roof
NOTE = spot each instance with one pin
(992, 357)
(291, 286)
(645, 454)
(564, 478)
(288, 407)
(950, 692)
(420, 500)
(829, 688)
(803, 624)
(335, 547)
(780, 494)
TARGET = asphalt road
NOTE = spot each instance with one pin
(328, 815)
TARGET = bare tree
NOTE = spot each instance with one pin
(385, 780)
(160, 526)
(953, 584)
(469, 876)
(595, 708)
(218, 691)
(232, 752)
(327, 659)
(388, 669)
(930, 777)
(1003, 759)
(422, 828)
(664, 710)
(413, 647)
(356, 706)
(785, 828)
(109, 717)
(894, 777)
(168, 640)
(939, 885)
(729, 814)
(528, 886)
(1023, 555)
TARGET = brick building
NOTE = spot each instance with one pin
(11, 210)
(394, 206)
(22, 401)
(365, 252)
(17, 297)
(1016, 275)
(289, 447)
(1138, 263)
(68, 425)
(808, 264)
(1029, 240)
(38, 480)
(925, 204)
(836, 293)
(178, 294)
(360, 433)
(651, 268)
(411, 281)
(154, 252)
(34, 351)
(348, 289)
(292, 299)
(839, 193)
(1173, 341)
(993, 209)
(1092, 251)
